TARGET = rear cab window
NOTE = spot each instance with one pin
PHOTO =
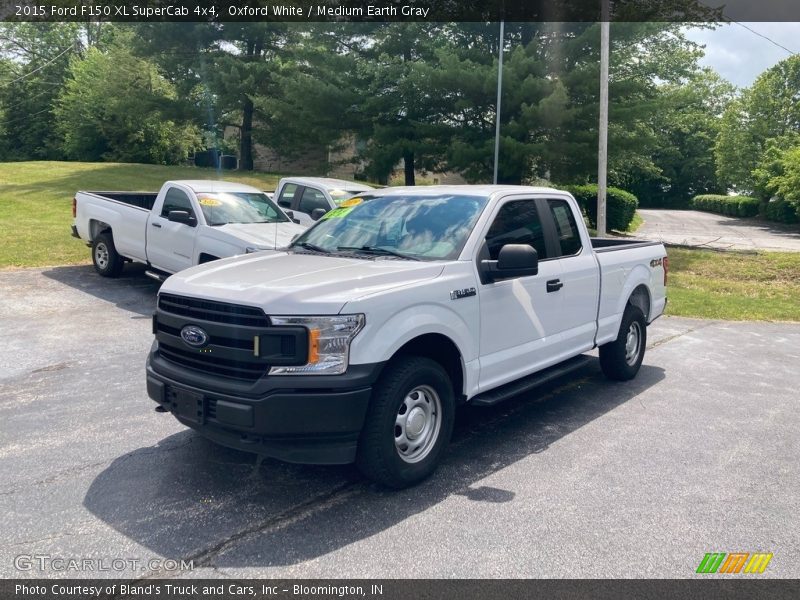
(569, 237)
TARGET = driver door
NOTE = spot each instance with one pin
(519, 317)
(170, 246)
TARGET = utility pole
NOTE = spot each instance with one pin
(602, 150)
(499, 98)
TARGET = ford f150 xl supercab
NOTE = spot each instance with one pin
(186, 223)
(311, 197)
(357, 342)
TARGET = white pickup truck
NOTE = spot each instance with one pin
(358, 341)
(311, 197)
(186, 223)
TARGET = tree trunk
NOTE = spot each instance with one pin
(408, 165)
(246, 138)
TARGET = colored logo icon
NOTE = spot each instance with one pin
(735, 562)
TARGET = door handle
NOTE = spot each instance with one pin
(156, 225)
(554, 285)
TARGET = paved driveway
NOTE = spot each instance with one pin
(696, 228)
(583, 478)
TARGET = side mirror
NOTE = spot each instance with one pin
(182, 216)
(290, 214)
(514, 260)
(317, 214)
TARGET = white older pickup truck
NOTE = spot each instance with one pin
(358, 341)
(186, 223)
(311, 197)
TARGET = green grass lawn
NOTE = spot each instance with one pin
(734, 286)
(36, 203)
(635, 223)
(36, 214)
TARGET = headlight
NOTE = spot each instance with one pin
(328, 343)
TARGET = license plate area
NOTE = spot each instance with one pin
(189, 406)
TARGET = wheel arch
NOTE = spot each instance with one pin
(640, 297)
(96, 227)
(442, 350)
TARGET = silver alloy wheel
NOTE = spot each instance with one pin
(632, 343)
(417, 425)
(101, 255)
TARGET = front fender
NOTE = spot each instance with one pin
(380, 341)
(215, 247)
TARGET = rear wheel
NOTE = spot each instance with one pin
(621, 359)
(107, 262)
(408, 424)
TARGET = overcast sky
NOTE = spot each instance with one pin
(740, 55)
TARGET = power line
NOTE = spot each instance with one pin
(761, 35)
(18, 104)
(39, 68)
(26, 117)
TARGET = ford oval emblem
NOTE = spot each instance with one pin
(194, 336)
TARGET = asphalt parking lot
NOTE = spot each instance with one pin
(583, 478)
(697, 228)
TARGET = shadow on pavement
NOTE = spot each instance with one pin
(189, 499)
(780, 229)
(132, 290)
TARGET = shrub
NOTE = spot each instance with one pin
(620, 205)
(782, 211)
(733, 206)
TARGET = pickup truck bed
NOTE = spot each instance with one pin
(611, 244)
(144, 200)
(186, 223)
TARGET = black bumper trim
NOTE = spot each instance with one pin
(305, 420)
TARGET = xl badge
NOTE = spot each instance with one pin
(194, 336)
(465, 293)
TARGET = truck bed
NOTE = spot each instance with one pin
(613, 244)
(144, 200)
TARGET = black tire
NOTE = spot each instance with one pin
(617, 360)
(107, 262)
(413, 385)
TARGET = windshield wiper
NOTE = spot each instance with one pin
(378, 250)
(312, 247)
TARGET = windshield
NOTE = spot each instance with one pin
(417, 227)
(220, 208)
(338, 195)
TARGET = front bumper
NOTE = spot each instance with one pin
(303, 419)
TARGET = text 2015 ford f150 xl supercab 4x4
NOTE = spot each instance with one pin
(357, 342)
(185, 224)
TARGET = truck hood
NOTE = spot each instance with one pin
(297, 284)
(263, 235)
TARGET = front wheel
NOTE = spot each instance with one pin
(408, 424)
(620, 360)
(107, 262)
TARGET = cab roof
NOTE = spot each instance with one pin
(329, 183)
(213, 185)
(465, 190)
